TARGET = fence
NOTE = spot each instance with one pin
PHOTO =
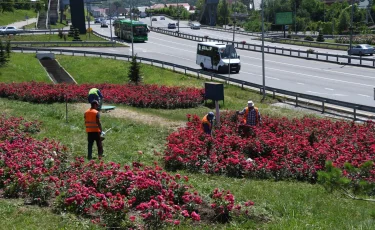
(345, 107)
(310, 43)
(53, 43)
(296, 53)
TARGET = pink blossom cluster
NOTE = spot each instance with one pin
(150, 96)
(280, 148)
(104, 192)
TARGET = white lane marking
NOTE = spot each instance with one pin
(172, 42)
(329, 89)
(308, 67)
(313, 76)
(299, 83)
(273, 78)
(171, 47)
(337, 94)
(363, 95)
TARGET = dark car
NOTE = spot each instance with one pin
(162, 18)
(171, 25)
(154, 19)
(362, 49)
(97, 20)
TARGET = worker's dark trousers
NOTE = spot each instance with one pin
(91, 137)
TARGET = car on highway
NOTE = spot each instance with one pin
(154, 19)
(171, 25)
(104, 24)
(162, 18)
(97, 20)
(195, 26)
(362, 49)
(9, 30)
(143, 15)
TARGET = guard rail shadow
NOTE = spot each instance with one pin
(296, 53)
(342, 106)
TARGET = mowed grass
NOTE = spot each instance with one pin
(23, 67)
(15, 215)
(290, 205)
(7, 18)
(55, 38)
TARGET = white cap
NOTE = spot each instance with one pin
(250, 103)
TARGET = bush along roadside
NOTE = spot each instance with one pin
(151, 96)
(279, 149)
(130, 196)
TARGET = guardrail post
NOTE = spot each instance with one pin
(115, 57)
(360, 59)
(198, 75)
(152, 62)
(140, 60)
(100, 55)
(21, 50)
(290, 52)
(173, 68)
(297, 100)
(282, 49)
(323, 106)
(275, 49)
(355, 113)
(307, 54)
(84, 54)
(273, 94)
(185, 71)
(36, 50)
(327, 57)
(73, 53)
(211, 76)
(373, 63)
(337, 58)
(162, 65)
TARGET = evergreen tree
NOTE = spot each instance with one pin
(76, 35)
(344, 21)
(134, 71)
(71, 32)
(320, 37)
(3, 56)
(223, 12)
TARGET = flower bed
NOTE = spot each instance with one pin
(358, 39)
(279, 149)
(109, 194)
(151, 96)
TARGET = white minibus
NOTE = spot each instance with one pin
(218, 56)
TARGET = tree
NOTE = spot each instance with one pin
(344, 21)
(3, 56)
(7, 5)
(76, 37)
(8, 48)
(134, 71)
(223, 12)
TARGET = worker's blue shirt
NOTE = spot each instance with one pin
(207, 128)
(95, 97)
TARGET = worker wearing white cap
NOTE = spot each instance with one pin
(251, 114)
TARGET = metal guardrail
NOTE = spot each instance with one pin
(53, 43)
(303, 42)
(296, 53)
(20, 32)
(298, 96)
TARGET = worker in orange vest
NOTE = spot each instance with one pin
(207, 122)
(93, 129)
(251, 115)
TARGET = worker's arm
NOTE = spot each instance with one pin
(241, 112)
(206, 128)
(98, 122)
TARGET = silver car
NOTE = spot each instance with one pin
(361, 49)
(8, 30)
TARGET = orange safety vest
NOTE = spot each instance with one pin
(247, 113)
(205, 121)
(90, 121)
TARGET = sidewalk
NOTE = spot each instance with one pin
(20, 24)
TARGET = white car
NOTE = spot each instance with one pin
(195, 26)
(9, 30)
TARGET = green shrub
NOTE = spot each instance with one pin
(309, 38)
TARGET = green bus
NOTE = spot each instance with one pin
(123, 30)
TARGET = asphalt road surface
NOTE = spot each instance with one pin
(340, 82)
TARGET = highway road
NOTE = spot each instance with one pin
(184, 28)
(345, 83)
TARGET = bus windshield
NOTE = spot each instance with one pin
(140, 31)
(228, 52)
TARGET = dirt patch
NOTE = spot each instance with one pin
(135, 116)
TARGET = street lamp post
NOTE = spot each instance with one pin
(263, 64)
(131, 24)
(178, 18)
(110, 21)
(351, 32)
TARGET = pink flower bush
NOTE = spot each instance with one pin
(150, 96)
(104, 192)
(279, 149)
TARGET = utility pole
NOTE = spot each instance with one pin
(131, 22)
(178, 18)
(88, 17)
(351, 32)
(110, 21)
(263, 63)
